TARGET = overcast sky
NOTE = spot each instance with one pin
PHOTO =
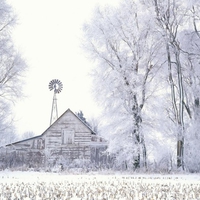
(48, 35)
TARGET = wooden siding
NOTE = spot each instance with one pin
(79, 149)
(47, 148)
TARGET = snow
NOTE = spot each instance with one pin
(32, 176)
(42, 185)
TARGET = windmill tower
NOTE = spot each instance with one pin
(55, 85)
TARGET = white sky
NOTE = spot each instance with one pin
(48, 36)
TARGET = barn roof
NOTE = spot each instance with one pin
(38, 136)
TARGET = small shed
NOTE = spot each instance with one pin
(65, 142)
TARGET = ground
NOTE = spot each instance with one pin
(16, 185)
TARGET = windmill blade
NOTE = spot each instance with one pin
(55, 85)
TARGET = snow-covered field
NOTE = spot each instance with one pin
(60, 186)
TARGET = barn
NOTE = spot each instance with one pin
(67, 142)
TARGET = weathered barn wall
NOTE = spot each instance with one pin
(66, 140)
(68, 137)
(28, 152)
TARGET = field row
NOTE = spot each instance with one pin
(97, 189)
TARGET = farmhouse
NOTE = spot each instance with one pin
(67, 141)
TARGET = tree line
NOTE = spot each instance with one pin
(147, 78)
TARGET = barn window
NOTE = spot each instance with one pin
(67, 137)
(40, 143)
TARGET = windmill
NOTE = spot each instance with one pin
(55, 85)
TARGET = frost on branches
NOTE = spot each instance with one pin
(147, 78)
(12, 67)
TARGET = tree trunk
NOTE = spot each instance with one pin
(164, 18)
(138, 137)
(144, 154)
(180, 143)
(178, 113)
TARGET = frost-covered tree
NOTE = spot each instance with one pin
(12, 67)
(190, 40)
(175, 24)
(147, 77)
(7, 129)
(94, 124)
(169, 18)
(118, 40)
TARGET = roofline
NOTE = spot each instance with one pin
(84, 123)
(23, 140)
(50, 127)
(75, 116)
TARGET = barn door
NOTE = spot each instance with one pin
(67, 137)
